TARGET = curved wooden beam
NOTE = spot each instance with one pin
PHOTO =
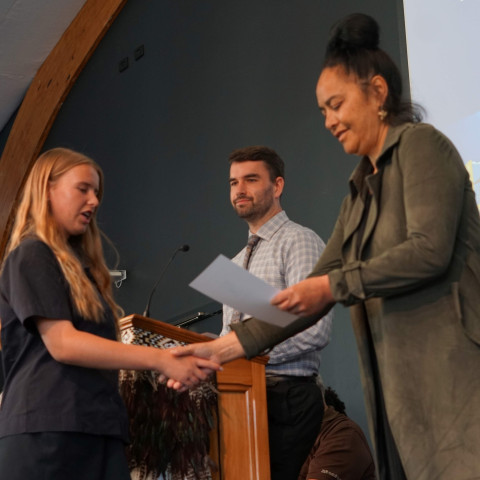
(48, 90)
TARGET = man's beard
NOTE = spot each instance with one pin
(252, 211)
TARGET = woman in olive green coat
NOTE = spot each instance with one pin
(405, 257)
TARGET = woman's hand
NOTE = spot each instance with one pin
(221, 350)
(308, 297)
(187, 370)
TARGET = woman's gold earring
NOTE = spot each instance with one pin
(382, 114)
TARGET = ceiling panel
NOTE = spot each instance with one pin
(29, 29)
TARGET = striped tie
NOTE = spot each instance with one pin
(252, 242)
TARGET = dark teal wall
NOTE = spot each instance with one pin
(216, 75)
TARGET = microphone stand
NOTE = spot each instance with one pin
(183, 248)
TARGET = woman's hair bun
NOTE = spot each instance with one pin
(354, 31)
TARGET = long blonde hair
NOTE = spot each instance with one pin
(34, 217)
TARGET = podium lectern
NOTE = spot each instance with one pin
(240, 444)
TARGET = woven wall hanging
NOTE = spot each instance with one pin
(169, 431)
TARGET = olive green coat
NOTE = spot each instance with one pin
(413, 286)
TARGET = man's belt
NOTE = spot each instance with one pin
(275, 379)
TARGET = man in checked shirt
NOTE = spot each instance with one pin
(284, 254)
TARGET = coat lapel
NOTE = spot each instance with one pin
(374, 183)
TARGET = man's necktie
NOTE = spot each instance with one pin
(252, 242)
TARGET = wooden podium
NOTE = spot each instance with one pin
(240, 445)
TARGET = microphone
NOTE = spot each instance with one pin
(182, 248)
(197, 318)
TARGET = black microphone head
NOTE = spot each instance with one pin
(184, 248)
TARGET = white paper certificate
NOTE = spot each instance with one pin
(226, 282)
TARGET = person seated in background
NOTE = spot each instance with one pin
(341, 450)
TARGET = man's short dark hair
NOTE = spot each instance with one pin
(255, 153)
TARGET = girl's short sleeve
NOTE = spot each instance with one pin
(33, 284)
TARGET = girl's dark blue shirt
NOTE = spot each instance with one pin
(41, 394)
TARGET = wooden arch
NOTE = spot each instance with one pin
(43, 100)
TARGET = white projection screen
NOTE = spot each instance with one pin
(444, 66)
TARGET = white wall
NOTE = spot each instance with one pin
(442, 43)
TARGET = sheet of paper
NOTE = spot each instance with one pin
(226, 282)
